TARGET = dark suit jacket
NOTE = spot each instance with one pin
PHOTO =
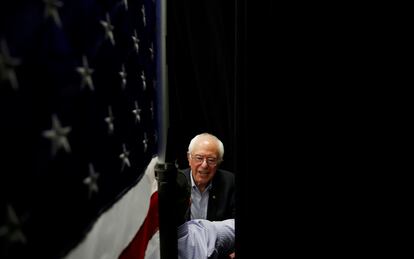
(221, 201)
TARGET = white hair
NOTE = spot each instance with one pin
(197, 137)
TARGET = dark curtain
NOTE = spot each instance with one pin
(200, 57)
(298, 114)
(207, 89)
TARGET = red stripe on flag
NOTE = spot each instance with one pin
(137, 247)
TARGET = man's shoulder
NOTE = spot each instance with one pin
(225, 173)
(185, 171)
(224, 179)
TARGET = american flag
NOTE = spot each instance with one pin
(78, 128)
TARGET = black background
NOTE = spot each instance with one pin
(284, 86)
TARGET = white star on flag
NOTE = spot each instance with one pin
(86, 74)
(145, 142)
(151, 50)
(110, 121)
(144, 84)
(137, 112)
(91, 180)
(144, 19)
(12, 229)
(125, 2)
(57, 134)
(124, 157)
(51, 10)
(108, 29)
(136, 41)
(123, 75)
(7, 65)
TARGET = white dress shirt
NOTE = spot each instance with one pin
(200, 239)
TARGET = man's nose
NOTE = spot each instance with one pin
(204, 163)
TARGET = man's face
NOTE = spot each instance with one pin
(204, 161)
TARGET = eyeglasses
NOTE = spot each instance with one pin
(199, 159)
